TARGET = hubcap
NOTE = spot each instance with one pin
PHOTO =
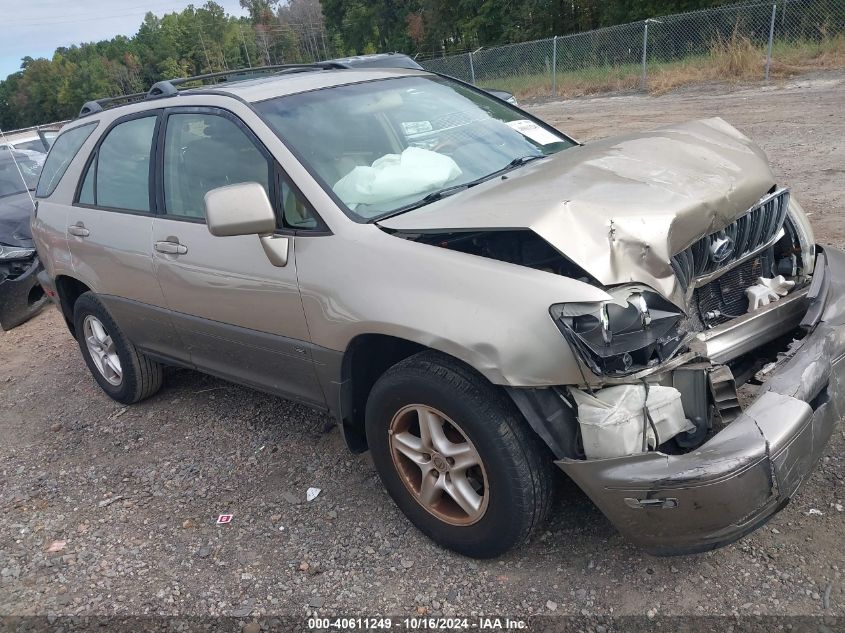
(438, 464)
(102, 350)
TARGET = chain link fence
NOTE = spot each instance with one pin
(740, 41)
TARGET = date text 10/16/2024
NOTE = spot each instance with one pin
(416, 624)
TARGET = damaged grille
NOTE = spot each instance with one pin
(726, 294)
(747, 235)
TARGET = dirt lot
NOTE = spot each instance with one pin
(134, 493)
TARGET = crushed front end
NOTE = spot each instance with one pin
(21, 295)
(755, 363)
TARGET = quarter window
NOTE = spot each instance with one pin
(64, 149)
(297, 213)
(202, 152)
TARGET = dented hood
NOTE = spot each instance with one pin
(619, 207)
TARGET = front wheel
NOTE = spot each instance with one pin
(456, 457)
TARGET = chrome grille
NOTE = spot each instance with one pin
(739, 240)
(727, 293)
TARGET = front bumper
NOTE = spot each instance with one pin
(21, 297)
(680, 504)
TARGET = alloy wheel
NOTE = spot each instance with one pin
(102, 350)
(438, 464)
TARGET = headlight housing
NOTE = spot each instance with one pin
(634, 331)
(15, 252)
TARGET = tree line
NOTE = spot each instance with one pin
(440, 27)
(205, 39)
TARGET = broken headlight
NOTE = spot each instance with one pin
(634, 331)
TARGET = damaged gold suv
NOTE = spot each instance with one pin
(473, 295)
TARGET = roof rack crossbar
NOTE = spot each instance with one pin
(168, 87)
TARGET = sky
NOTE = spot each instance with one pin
(37, 27)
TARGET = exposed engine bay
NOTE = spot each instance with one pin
(746, 290)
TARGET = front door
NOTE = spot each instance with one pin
(240, 316)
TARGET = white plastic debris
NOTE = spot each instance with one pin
(779, 284)
(815, 512)
(765, 291)
(759, 296)
(312, 493)
(396, 176)
(612, 419)
(223, 519)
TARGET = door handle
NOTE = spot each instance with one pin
(78, 230)
(171, 248)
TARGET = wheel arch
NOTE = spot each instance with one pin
(69, 289)
(369, 356)
(366, 358)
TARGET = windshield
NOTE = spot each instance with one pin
(392, 144)
(10, 177)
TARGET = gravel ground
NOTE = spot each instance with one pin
(128, 497)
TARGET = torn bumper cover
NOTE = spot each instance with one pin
(678, 504)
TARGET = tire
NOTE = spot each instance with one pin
(140, 377)
(514, 480)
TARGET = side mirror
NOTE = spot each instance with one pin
(245, 209)
(242, 209)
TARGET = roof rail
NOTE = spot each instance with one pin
(92, 107)
(169, 87)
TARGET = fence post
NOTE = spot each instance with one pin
(644, 79)
(554, 66)
(771, 39)
(471, 70)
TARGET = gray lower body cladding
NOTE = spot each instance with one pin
(701, 500)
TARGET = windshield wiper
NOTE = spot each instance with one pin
(519, 162)
(447, 191)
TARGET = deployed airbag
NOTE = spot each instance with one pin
(397, 176)
(612, 419)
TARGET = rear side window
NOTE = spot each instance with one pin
(63, 152)
(119, 175)
(202, 152)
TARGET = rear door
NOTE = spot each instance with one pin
(240, 316)
(110, 233)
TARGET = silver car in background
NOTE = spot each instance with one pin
(473, 295)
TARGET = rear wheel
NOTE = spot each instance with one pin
(456, 457)
(119, 368)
